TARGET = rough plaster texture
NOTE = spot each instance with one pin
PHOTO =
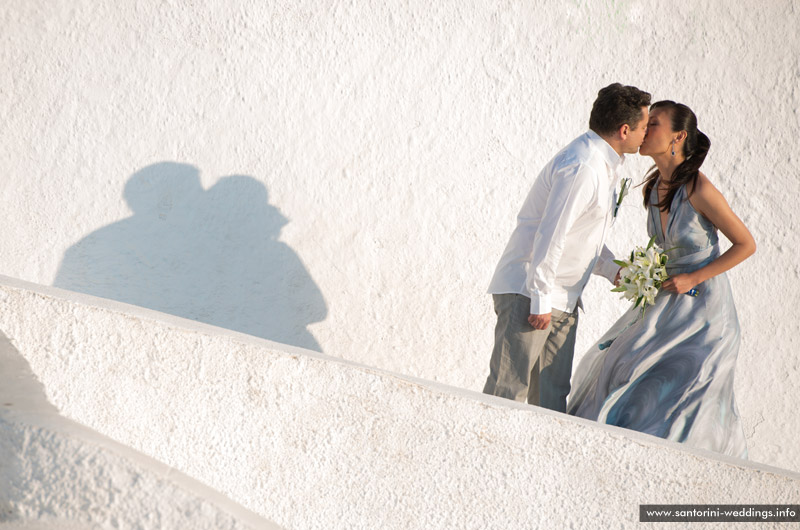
(313, 442)
(379, 154)
(57, 474)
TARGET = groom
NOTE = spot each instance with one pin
(557, 244)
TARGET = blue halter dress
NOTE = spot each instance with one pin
(670, 373)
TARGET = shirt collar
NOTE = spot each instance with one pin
(611, 157)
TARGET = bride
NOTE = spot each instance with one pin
(670, 372)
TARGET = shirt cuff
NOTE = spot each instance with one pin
(607, 269)
(540, 305)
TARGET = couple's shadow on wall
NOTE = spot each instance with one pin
(208, 255)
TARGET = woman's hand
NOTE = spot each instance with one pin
(680, 283)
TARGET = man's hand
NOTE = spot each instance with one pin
(540, 321)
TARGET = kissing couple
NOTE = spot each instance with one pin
(667, 371)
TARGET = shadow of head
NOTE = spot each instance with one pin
(159, 189)
(243, 202)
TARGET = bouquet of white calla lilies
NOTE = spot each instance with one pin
(642, 276)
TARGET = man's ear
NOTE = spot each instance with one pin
(623, 131)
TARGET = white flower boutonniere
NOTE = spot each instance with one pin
(623, 191)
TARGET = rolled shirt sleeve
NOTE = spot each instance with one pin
(573, 190)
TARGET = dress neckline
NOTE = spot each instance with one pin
(657, 211)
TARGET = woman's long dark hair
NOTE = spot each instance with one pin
(695, 149)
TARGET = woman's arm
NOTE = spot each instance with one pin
(710, 203)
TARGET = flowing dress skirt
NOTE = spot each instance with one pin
(669, 373)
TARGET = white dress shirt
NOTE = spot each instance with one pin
(561, 229)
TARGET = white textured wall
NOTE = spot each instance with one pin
(311, 442)
(351, 170)
(58, 475)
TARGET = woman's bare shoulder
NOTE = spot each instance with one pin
(704, 187)
(706, 197)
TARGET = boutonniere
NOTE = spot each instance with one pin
(623, 191)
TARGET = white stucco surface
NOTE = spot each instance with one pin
(56, 474)
(343, 176)
(312, 442)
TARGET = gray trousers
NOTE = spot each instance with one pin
(528, 362)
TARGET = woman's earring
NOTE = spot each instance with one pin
(673, 147)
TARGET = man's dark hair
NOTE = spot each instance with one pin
(615, 106)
